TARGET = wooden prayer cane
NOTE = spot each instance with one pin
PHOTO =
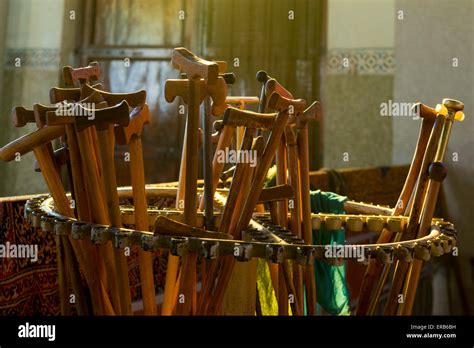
(131, 135)
(86, 194)
(251, 121)
(374, 268)
(113, 258)
(231, 202)
(252, 198)
(415, 211)
(217, 92)
(195, 68)
(67, 241)
(271, 85)
(452, 110)
(106, 117)
(293, 108)
(295, 212)
(100, 298)
(180, 88)
(313, 112)
(235, 200)
(79, 77)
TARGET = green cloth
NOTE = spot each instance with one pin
(331, 291)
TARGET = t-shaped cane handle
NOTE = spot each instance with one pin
(85, 74)
(193, 66)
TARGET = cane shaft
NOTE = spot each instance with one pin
(97, 279)
(281, 165)
(217, 165)
(141, 223)
(207, 156)
(416, 209)
(374, 268)
(98, 209)
(188, 267)
(110, 184)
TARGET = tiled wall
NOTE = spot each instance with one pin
(357, 77)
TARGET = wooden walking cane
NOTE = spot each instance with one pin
(86, 188)
(232, 200)
(313, 112)
(180, 88)
(452, 110)
(374, 268)
(241, 294)
(94, 187)
(195, 69)
(131, 135)
(252, 198)
(269, 86)
(99, 285)
(67, 241)
(104, 118)
(294, 109)
(415, 212)
(251, 121)
(208, 196)
(272, 86)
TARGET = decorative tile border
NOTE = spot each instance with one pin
(363, 61)
(33, 57)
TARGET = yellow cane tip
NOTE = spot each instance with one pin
(459, 116)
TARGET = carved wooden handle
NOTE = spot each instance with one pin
(273, 85)
(57, 95)
(133, 99)
(312, 112)
(21, 116)
(84, 74)
(138, 118)
(278, 102)
(193, 66)
(237, 118)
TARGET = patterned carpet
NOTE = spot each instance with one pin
(31, 288)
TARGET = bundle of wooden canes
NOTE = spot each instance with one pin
(215, 234)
